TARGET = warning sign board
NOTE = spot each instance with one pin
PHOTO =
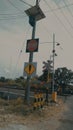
(30, 68)
(32, 45)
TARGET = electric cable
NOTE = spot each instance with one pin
(21, 50)
(15, 6)
(45, 28)
(56, 9)
(10, 14)
(68, 7)
(12, 18)
(64, 16)
(26, 3)
(66, 29)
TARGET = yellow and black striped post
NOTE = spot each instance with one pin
(38, 101)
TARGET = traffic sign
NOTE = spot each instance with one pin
(32, 45)
(30, 68)
(48, 66)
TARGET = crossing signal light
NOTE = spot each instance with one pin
(47, 69)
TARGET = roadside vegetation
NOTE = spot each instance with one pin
(63, 81)
(16, 111)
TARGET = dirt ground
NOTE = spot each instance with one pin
(12, 115)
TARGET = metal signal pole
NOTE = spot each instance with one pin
(35, 14)
(27, 91)
(53, 61)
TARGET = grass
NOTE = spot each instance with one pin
(17, 111)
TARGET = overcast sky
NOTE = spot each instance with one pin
(15, 31)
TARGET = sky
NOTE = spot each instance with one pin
(15, 31)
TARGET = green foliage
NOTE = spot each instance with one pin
(18, 82)
(2, 79)
(63, 76)
(44, 76)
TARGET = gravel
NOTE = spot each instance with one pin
(48, 118)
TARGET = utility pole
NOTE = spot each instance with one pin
(35, 14)
(53, 61)
(27, 92)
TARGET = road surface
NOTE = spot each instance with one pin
(66, 121)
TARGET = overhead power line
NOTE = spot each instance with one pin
(65, 6)
(26, 3)
(59, 8)
(16, 14)
(58, 18)
(68, 7)
(12, 18)
(67, 19)
(21, 50)
(15, 6)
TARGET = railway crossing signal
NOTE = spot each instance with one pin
(47, 69)
(47, 66)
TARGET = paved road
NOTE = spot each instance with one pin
(66, 121)
(11, 90)
(14, 91)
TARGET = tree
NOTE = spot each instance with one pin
(2, 79)
(47, 70)
(45, 75)
(63, 77)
